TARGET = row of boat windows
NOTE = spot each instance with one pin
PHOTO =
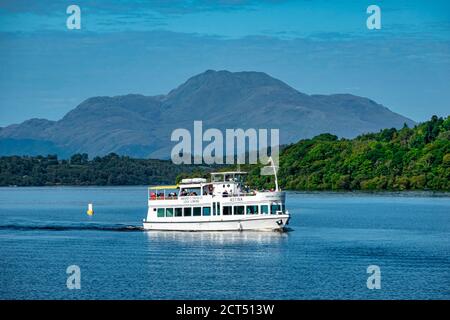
(226, 210)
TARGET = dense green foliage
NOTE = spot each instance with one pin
(108, 170)
(407, 159)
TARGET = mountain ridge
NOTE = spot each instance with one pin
(140, 126)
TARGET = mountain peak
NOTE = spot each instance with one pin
(31, 128)
(255, 77)
(227, 81)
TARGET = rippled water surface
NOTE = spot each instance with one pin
(334, 238)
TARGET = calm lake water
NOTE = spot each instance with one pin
(334, 238)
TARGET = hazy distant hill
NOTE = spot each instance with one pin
(140, 126)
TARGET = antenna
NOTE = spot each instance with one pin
(239, 184)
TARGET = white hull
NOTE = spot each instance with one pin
(222, 223)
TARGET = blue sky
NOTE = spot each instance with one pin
(150, 47)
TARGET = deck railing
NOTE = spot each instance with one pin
(175, 197)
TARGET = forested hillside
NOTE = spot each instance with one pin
(407, 159)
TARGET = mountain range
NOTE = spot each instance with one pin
(140, 126)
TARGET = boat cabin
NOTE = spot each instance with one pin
(229, 183)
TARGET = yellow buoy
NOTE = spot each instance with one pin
(90, 210)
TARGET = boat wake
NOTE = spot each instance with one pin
(71, 227)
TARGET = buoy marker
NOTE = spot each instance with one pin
(90, 210)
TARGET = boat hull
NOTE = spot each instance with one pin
(262, 223)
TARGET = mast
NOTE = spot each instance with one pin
(274, 172)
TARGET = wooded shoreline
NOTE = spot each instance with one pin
(391, 160)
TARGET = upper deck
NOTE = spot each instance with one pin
(229, 184)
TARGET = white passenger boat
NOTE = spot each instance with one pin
(223, 204)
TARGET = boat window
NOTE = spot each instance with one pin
(227, 210)
(160, 213)
(252, 209)
(206, 211)
(218, 208)
(178, 212)
(208, 189)
(239, 210)
(169, 212)
(275, 208)
(187, 212)
(190, 192)
(197, 211)
(264, 209)
(172, 195)
(214, 209)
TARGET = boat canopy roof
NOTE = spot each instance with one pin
(228, 172)
(193, 180)
(164, 187)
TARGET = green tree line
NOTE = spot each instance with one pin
(109, 170)
(407, 159)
